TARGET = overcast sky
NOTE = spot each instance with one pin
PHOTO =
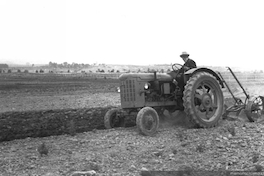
(215, 33)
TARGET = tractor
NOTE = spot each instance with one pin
(145, 96)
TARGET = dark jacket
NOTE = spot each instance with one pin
(190, 63)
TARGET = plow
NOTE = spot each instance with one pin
(252, 105)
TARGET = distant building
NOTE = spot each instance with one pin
(3, 66)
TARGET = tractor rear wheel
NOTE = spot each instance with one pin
(203, 100)
(112, 120)
(147, 121)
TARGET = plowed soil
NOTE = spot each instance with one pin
(120, 151)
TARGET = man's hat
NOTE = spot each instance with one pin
(184, 54)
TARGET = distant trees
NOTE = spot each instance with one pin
(53, 65)
(67, 65)
(103, 68)
(100, 71)
(151, 70)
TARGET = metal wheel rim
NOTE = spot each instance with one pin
(256, 108)
(206, 101)
(149, 122)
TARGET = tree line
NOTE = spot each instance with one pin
(67, 65)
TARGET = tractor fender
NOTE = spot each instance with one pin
(193, 71)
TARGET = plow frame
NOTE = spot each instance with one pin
(250, 105)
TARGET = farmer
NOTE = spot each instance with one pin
(188, 63)
(179, 80)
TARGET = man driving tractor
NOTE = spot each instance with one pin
(188, 63)
(179, 79)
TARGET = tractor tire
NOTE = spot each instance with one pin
(203, 100)
(111, 120)
(147, 121)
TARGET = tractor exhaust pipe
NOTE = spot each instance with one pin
(155, 75)
(156, 82)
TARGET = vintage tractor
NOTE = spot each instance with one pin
(145, 96)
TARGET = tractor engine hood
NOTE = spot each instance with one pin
(146, 76)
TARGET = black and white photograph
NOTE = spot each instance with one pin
(131, 88)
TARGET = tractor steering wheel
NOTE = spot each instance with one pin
(176, 67)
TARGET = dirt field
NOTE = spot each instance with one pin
(24, 92)
(119, 151)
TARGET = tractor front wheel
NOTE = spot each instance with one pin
(203, 100)
(147, 121)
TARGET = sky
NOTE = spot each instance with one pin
(138, 32)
